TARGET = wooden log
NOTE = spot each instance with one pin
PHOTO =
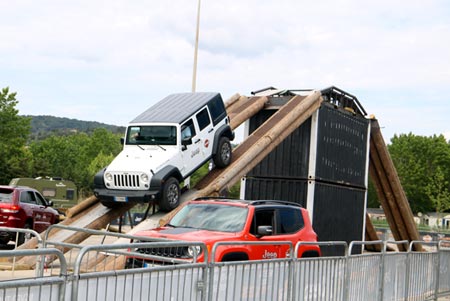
(255, 106)
(77, 238)
(293, 119)
(117, 263)
(384, 203)
(387, 199)
(81, 206)
(371, 235)
(233, 108)
(401, 206)
(396, 187)
(232, 100)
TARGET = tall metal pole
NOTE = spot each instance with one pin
(194, 74)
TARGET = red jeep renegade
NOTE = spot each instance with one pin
(221, 220)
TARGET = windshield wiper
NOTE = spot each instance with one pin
(189, 227)
(161, 147)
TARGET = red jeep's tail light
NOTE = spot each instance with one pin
(10, 208)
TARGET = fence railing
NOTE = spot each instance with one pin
(96, 273)
(41, 287)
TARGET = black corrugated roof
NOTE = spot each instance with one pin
(175, 107)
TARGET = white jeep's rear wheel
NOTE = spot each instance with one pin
(222, 158)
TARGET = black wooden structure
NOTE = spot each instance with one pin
(323, 164)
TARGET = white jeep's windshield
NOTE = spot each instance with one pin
(152, 135)
(213, 217)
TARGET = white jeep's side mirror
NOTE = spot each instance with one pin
(186, 141)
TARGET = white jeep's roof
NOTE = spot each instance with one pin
(176, 107)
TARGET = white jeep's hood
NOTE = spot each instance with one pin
(135, 159)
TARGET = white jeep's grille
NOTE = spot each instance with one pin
(126, 181)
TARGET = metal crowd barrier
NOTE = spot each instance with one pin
(29, 233)
(385, 275)
(163, 282)
(45, 287)
(256, 280)
(444, 269)
(320, 278)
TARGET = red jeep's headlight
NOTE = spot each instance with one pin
(193, 251)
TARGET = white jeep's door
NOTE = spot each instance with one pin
(191, 152)
(206, 132)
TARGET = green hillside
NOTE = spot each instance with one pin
(43, 126)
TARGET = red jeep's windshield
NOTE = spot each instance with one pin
(212, 217)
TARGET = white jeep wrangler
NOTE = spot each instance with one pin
(163, 146)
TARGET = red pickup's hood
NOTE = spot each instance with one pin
(188, 234)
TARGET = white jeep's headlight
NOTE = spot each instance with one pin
(108, 177)
(144, 177)
(194, 251)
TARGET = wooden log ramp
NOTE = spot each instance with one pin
(390, 191)
(89, 214)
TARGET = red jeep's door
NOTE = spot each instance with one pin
(281, 225)
(35, 208)
(265, 218)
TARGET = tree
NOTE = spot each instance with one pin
(372, 196)
(14, 131)
(99, 162)
(423, 165)
(438, 191)
(74, 157)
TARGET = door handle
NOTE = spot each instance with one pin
(197, 141)
(210, 131)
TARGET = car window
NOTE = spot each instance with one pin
(188, 129)
(40, 200)
(152, 135)
(282, 220)
(27, 197)
(212, 217)
(203, 119)
(289, 221)
(6, 195)
(263, 217)
(217, 110)
(70, 194)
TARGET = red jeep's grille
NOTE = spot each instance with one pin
(174, 252)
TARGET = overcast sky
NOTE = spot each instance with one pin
(107, 61)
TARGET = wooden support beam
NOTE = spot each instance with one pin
(386, 198)
(293, 114)
(246, 111)
(232, 100)
(95, 217)
(371, 235)
(390, 192)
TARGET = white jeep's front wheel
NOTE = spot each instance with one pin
(170, 198)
